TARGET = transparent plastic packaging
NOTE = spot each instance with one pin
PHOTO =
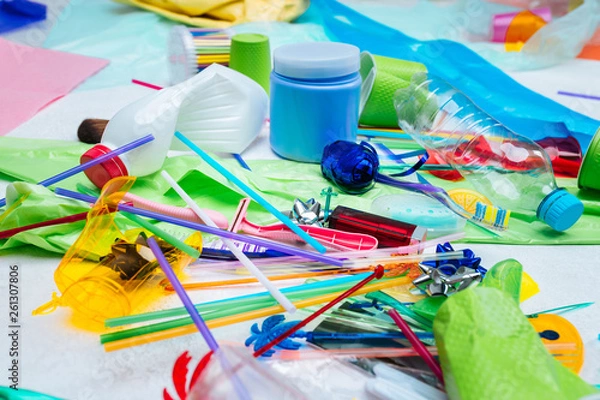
(509, 169)
(108, 272)
(232, 373)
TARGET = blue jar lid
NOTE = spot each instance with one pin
(316, 60)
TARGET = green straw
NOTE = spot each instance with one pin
(224, 311)
(231, 302)
(421, 322)
(172, 240)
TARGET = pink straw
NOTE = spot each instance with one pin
(418, 346)
(146, 84)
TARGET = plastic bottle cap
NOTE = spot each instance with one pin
(102, 173)
(316, 60)
(589, 173)
(560, 209)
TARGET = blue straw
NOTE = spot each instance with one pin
(241, 161)
(361, 336)
(250, 192)
(80, 168)
(210, 230)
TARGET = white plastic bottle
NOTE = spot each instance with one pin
(219, 109)
(509, 169)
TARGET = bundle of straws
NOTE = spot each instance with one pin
(193, 49)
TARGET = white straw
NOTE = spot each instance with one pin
(284, 301)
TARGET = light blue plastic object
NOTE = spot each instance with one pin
(520, 109)
(315, 93)
(421, 211)
(560, 209)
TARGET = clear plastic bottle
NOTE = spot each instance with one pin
(511, 170)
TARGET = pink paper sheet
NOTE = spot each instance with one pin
(31, 78)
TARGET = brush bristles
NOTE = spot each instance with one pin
(494, 216)
(91, 130)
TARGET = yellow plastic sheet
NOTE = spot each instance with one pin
(222, 13)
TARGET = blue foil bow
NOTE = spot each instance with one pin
(444, 278)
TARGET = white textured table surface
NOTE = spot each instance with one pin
(60, 360)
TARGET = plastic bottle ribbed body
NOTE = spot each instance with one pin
(511, 170)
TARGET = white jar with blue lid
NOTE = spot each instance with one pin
(315, 93)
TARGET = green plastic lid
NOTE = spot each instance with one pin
(589, 173)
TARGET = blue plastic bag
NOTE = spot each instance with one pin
(16, 14)
(520, 109)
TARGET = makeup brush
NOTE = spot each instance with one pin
(91, 129)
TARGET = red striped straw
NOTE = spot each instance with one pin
(58, 221)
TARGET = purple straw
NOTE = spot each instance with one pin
(210, 230)
(239, 387)
(185, 299)
(583, 96)
(82, 167)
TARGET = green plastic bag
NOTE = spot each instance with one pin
(279, 181)
(506, 276)
(488, 350)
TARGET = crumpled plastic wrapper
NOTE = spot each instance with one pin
(488, 350)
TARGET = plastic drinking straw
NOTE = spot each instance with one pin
(225, 308)
(185, 299)
(146, 84)
(251, 193)
(242, 317)
(82, 167)
(235, 302)
(277, 295)
(362, 335)
(244, 281)
(240, 160)
(167, 237)
(417, 345)
(57, 221)
(561, 309)
(195, 315)
(354, 264)
(583, 96)
(386, 252)
(375, 275)
(413, 317)
(231, 303)
(207, 229)
(382, 352)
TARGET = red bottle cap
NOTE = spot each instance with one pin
(104, 172)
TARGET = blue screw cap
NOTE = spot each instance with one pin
(560, 209)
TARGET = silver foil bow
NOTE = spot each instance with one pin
(307, 213)
(434, 282)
